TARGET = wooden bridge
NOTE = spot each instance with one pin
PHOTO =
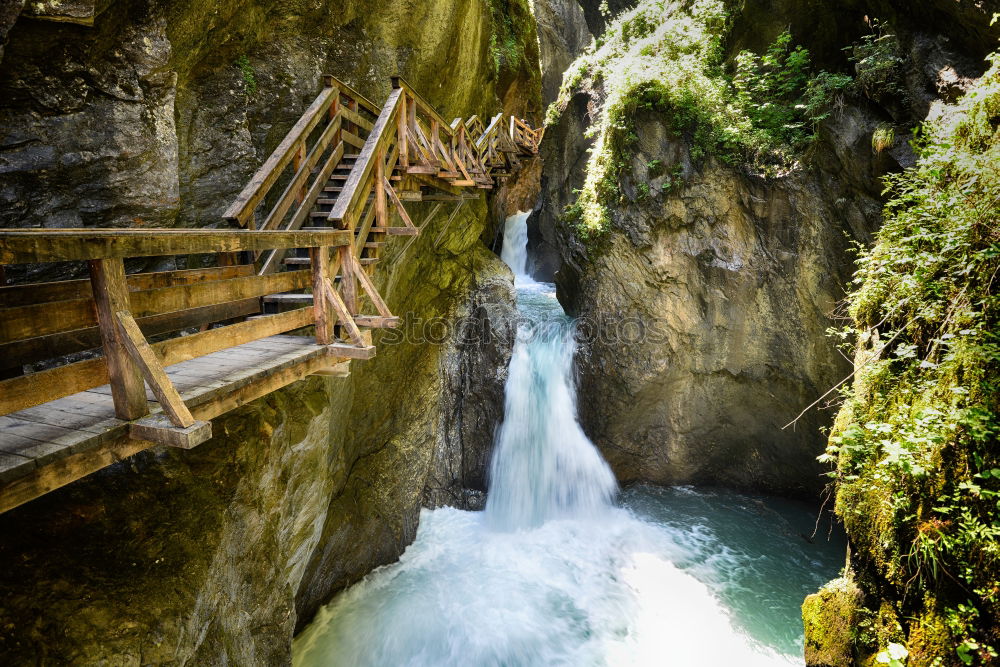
(276, 295)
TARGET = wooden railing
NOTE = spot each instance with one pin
(337, 121)
(406, 151)
(118, 312)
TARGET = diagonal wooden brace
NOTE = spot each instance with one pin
(343, 315)
(369, 288)
(399, 205)
(144, 357)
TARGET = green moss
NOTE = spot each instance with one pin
(918, 467)
(249, 76)
(829, 617)
(512, 28)
(667, 57)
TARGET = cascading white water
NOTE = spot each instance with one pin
(543, 467)
(552, 573)
(514, 251)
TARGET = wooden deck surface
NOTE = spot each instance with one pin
(34, 438)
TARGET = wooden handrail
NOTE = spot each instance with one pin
(21, 246)
(292, 147)
(359, 181)
(398, 83)
(241, 210)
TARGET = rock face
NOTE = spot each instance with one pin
(153, 116)
(706, 303)
(563, 34)
(705, 314)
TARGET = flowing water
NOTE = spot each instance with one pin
(561, 569)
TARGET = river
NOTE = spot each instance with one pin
(563, 568)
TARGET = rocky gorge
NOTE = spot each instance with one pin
(712, 178)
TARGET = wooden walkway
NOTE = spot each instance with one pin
(281, 294)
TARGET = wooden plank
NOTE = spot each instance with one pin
(55, 345)
(111, 296)
(357, 119)
(241, 210)
(74, 420)
(143, 356)
(69, 469)
(45, 245)
(212, 405)
(64, 290)
(352, 139)
(169, 299)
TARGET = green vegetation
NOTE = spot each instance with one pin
(918, 466)
(878, 64)
(249, 76)
(667, 57)
(511, 21)
(883, 137)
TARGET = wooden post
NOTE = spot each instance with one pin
(107, 278)
(348, 281)
(319, 258)
(401, 136)
(381, 217)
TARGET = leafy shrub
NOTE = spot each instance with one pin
(878, 64)
(249, 75)
(918, 435)
(667, 57)
(883, 138)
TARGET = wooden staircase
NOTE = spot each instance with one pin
(305, 237)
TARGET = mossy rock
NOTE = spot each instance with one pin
(828, 617)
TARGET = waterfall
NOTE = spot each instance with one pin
(553, 573)
(543, 466)
(515, 245)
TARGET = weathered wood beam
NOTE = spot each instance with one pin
(344, 316)
(20, 246)
(33, 293)
(143, 357)
(111, 297)
(241, 210)
(320, 261)
(31, 350)
(52, 318)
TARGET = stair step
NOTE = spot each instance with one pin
(368, 261)
(375, 244)
(333, 188)
(288, 298)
